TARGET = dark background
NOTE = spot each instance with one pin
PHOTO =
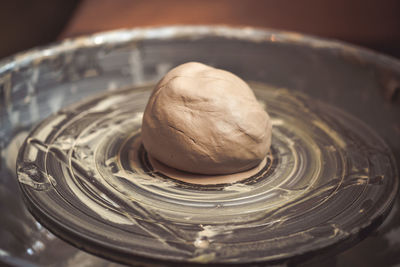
(369, 23)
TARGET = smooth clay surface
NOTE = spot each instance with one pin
(205, 120)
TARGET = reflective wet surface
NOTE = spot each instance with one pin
(84, 173)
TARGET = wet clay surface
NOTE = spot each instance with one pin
(205, 120)
(85, 175)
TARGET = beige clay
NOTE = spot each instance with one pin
(205, 120)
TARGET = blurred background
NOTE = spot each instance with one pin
(370, 23)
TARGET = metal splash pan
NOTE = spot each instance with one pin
(330, 178)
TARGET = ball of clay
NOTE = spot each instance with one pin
(205, 120)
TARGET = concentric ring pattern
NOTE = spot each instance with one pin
(87, 177)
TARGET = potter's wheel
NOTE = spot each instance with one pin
(86, 176)
(324, 78)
